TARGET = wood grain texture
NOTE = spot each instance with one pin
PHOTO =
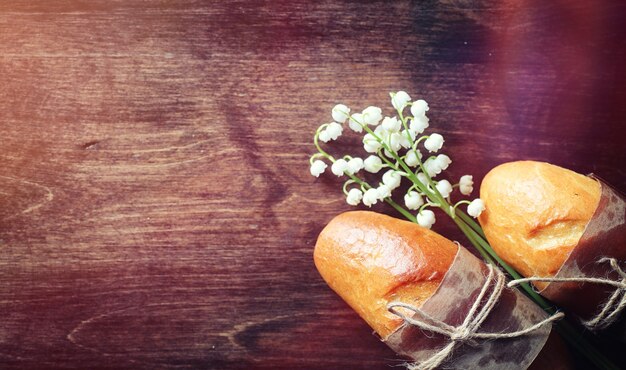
(156, 209)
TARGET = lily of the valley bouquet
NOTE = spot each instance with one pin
(541, 230)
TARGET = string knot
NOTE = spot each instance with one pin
(461, 335)
(467, 331)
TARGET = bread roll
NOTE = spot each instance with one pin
(536, 214)
(370, 259)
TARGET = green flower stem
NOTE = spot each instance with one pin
(317, 144)
(401, 209)
(453, 210)
(472, 240)
(404, 124)
(345, 186)
(470, 221)
(387, 161)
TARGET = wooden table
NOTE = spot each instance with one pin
(156, 206)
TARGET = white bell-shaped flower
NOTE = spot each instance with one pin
(392, 179)
(412, 158)
(392, 124)
(372, 115)
(341, 113)
(434, 142)
(444, 187)
(324, 136)
(384, 191)
(371, 144)
(370, 197)
(395, 142)
(356, 126)
(354, 197)
(476, 207)
(419, 124)
(419, 108)
(334, 130)
(400, 99)
(466, 184)
(373, 164)
(318, 167)
(407, 137)
(413, 200)
(443, 161)
(432, 167)
(426, 218)
(355, 165)
(339, 167)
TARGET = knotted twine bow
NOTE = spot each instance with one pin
(468, 330)
(612, 307)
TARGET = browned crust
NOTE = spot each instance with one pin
(370, 259)
(536, 213)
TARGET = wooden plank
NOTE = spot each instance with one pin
(156, 207)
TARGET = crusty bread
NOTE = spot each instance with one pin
(370, 259)
(536, 213)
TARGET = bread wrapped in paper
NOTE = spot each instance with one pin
(554, 224)
(394, 273)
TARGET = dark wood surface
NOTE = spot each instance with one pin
(156, 209)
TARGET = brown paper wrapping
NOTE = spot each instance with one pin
(451, 303)
(604, 236)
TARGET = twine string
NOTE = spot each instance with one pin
(467, 332)
(613, 306)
